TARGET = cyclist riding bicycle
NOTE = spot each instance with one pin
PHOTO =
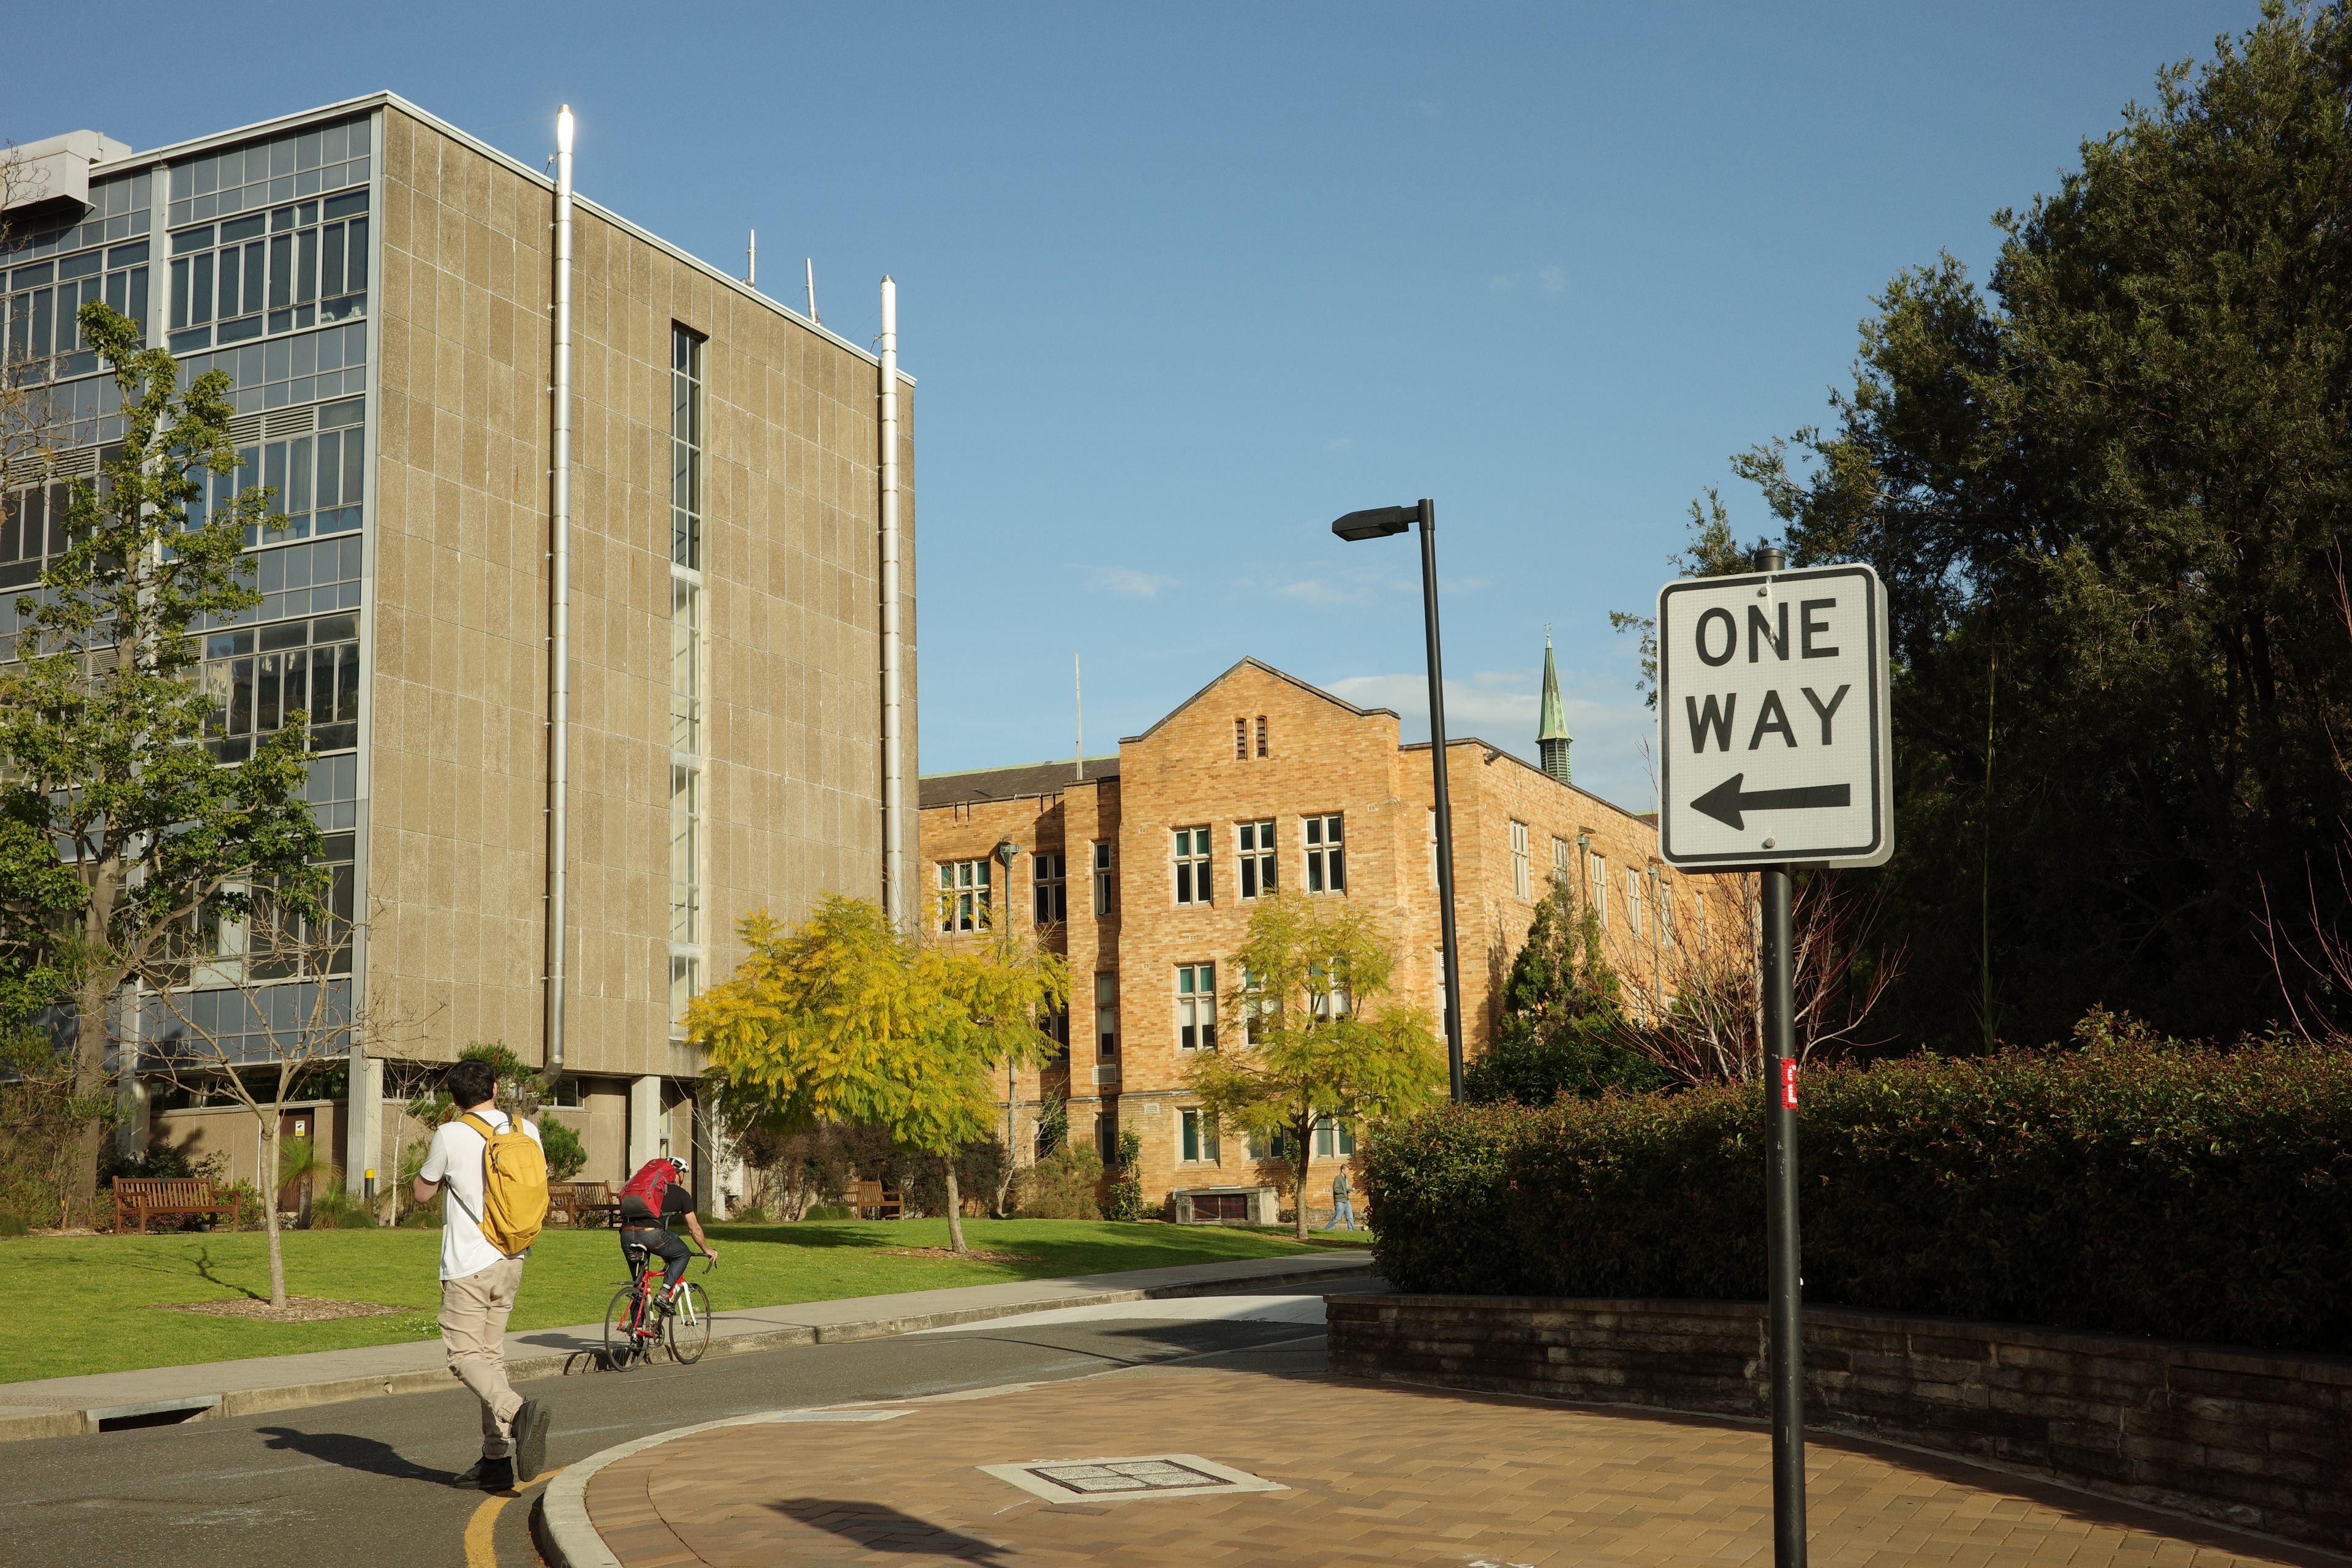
(657, 1194)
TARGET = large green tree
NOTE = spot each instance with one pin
(117, 829)
(1562, 1024)
(2110, 496)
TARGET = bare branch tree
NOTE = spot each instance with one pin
(253, 1005)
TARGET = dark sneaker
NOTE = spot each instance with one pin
(494, 1475)
(530, 1424)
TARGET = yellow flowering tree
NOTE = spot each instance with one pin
(842, 1018)
(1313, 1030)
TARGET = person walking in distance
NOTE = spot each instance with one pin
(1343, 1210)
(485, 1168)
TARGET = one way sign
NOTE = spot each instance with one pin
(1772, 728)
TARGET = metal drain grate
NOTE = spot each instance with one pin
(1124, 1479)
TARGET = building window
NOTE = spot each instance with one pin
(1334, 1139)
(42, 316)
(301, 266)
(1560, 850)
(1667, 912)
(1327, 866)
(686, 421)
(321, 158)
(1520, 859)
(685, 983)
(1634, 900)
(1257, 858)
(1196, 1006)
(1197, 1130)
(1102, 878)
(259, 679)
(964, 894)
(1241, 740)
(1055, 1024)
(1326, 992)
(1192, 866)
(1255, 1007)
(1052, 898)
(685, 667)
(1597, 870)
(1106, 1016)
(1260, 735)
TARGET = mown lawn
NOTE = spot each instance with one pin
(99, 1294)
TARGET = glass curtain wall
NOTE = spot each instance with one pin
(686, 754)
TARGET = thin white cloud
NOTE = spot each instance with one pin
(1341, 444)
(1503, 283)
(1134, 584)
(1315, 591)
(1554, 279)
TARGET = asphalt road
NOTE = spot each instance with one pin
(378, 1483)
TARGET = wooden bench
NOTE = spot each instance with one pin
(584, 1203)
(142, 1196)
(888, 1203)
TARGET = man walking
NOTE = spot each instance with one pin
(478, 1281)
(1343, 1210)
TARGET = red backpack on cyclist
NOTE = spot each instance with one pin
(652, 1180)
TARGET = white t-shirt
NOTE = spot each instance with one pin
(456, 1159)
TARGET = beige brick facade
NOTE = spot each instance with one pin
(1322, 757)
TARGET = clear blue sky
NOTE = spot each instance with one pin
(1180, 284)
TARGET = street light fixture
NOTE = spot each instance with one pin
(1379, 522)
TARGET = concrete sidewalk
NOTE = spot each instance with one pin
(68, 1407)
(1200, 1467)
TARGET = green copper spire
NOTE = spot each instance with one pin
(1551, 735)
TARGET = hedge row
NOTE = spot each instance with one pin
(2131, 1184)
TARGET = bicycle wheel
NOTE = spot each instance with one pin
(622, 1345)
(689, 1326)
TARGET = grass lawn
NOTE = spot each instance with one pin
(103, 1289)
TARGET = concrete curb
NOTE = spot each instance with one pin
(564, 1531)
(336, 1391)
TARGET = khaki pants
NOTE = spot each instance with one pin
(473, 1331)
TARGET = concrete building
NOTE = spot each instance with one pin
(1142, 869)
(382, 288)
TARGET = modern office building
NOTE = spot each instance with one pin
(690, 612)
(1142, 869)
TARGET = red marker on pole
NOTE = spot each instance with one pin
(1788, 1084)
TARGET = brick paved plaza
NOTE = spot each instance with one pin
(1376, 1474)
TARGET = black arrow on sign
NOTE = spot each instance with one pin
(1725, 802)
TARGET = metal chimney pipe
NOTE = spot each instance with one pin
(558, 652)
(893, 766)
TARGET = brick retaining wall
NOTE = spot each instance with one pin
(2254, 1439)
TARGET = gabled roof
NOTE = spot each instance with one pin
(1025, 779)
(1257, 664)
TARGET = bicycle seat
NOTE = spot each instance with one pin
(636, 1255)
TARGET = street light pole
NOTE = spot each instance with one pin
(1377, 523)
(1007, 852)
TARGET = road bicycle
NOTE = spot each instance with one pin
(636, 1324)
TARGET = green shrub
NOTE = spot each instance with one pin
(565, 1153)
(829, 1211)
(1062, 1185)
(353, 1219)
(2133, 1185)
(13, 1224)
(755, 1214)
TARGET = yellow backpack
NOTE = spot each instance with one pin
(514, 1185)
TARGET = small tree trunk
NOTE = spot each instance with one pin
(955, 1211)
(89, 1078)
(1298, 1189)
(269, 1214)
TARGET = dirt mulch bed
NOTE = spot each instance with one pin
(977, 1254)
(298, 1309)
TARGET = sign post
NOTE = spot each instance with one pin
(1774, 742)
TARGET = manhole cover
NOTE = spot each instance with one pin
(1115, 1480)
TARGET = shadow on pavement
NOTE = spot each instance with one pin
(357, 1454)
(878, 1527)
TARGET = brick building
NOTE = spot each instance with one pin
(1142, 867)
